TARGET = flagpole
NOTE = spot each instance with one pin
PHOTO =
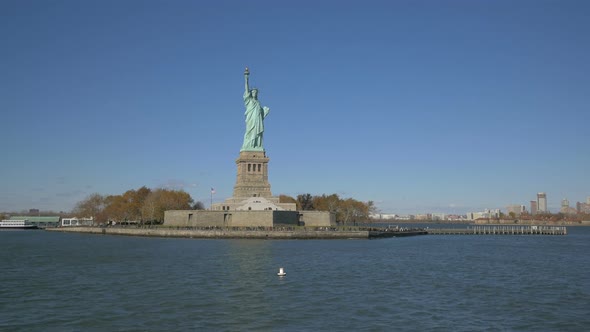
(211, 203)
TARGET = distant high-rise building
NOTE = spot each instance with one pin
(565, 205)
(542, 203)
(588, 200)
(533, 207)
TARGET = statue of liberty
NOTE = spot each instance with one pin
(255, 115)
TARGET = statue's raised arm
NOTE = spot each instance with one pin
(246, 76)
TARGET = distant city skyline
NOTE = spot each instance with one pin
(422, 107)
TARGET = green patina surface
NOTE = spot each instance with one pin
(255, 115)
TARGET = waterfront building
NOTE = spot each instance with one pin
(493, 213)
(39, 221)
(455, 217)
(71, 222)
(569, 210)
(533, 207)
(439, 216)
(542, 203)
(516, 209)
(486, 214)
(476, 215)
(383, 216)
(583, 208)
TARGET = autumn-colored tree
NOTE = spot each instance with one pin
(117, 208)
(92, 206)
(150, 208)
(346, 210)
(289, 199)
(327, 203)
(134, 200)
(352, 210)
(161, 200)
(141, 205)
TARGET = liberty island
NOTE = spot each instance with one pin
(252, 211)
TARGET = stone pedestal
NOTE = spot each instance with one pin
(252, 189)
(252, 179)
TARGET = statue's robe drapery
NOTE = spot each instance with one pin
(255, 115)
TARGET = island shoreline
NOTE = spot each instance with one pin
(218, 233)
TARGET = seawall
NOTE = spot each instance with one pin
(217, 233)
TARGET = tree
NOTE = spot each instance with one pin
(352, 210)
(327, 203)
(92, 206)
(117, 208)
(142, 205)
(161, 200)
(305, 202)
(150, 207)
(288, 199)
(134, 200)
(346, 210)
(371, 208)
(198, 206)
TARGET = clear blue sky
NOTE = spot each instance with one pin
(420, 106)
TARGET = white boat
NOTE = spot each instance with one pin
(282, 272)
(17, 224)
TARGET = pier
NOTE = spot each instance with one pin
(500, 230)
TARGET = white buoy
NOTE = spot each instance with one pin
(282, 272)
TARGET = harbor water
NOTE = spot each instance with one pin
(53, 281)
